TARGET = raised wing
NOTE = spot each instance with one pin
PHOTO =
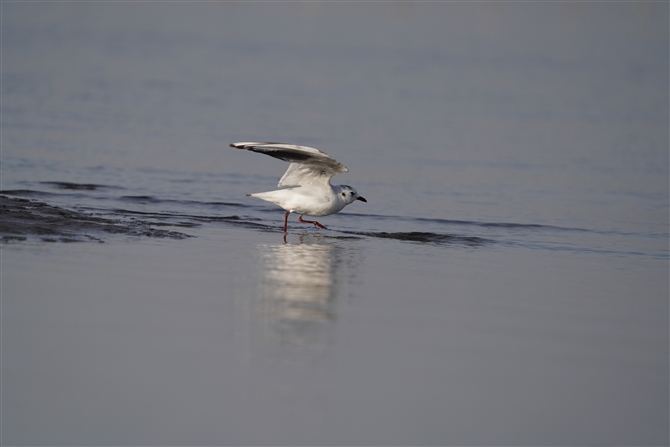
(308, 165)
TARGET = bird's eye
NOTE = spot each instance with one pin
(351, 193)
(344, 194)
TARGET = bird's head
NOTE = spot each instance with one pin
(348, 194)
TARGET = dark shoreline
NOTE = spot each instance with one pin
(24, 219)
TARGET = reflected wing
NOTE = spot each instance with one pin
(308, 165)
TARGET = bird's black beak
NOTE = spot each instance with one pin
(362, 199)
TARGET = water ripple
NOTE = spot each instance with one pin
(426, 237)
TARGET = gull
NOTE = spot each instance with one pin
(307, 180)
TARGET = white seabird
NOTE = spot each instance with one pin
(307, 180)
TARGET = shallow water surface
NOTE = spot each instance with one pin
(506, 283)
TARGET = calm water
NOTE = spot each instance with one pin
(506, 283)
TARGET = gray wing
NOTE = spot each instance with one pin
(308, 165)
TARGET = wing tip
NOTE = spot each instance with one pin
(244, 145)
(250, 144)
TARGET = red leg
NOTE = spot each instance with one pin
(286, 220)
(316, 224)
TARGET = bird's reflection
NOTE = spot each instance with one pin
(299, 288)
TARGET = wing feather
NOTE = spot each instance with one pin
(308, 165)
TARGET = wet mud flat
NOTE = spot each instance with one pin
(23, 219)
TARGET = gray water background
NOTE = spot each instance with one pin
(506, 283)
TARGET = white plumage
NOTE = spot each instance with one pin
(307, 181)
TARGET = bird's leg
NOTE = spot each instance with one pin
(286, 221)
(316, 224)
